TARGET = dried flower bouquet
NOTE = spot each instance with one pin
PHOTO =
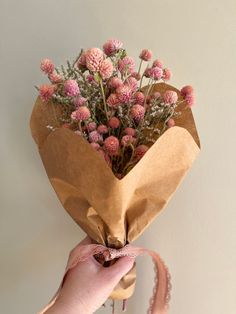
(115, 143)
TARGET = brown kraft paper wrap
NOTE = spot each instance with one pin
(114, 212)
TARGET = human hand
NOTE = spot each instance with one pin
(88, 285)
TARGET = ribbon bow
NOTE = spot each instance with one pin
(161, 292)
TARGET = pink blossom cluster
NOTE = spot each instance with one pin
(103, 100)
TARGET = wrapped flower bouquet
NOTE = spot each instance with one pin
(116, 140)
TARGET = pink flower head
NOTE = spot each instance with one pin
(106, 157)
(190, 99)
(114, 123)
(55, 78)
(170, 123)
(124, 94)
(112, 46)
(130, 131)
(78, 132)
(137, 112)
(156, 73)
(132, 83)
(140, 151)
(111, 145)
(80, 101)
(136, 75)
(147, 72)
(127, 139)
(47, 66)
(91, 126)
(95, 137)
(106, 69)
(90, 78)
(66, 126)
(46, 92)
(115, 82)
(102, 129)
(157, 63)
(126, 65)
(139, 98)
(186, 90)
(82, 60)
(145, 55)
(167, 74)
(170, 97)
(96, 146)
(156, 95)
(71, 88)
(94, 57)
(81, 114)
(113, 101)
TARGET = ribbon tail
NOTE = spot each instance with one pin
(161, 291)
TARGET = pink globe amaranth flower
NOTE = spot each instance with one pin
(126, 65)
(114, 123)
(188, 89)
(102, 129)
(127, 139)
(91, 126)
(90, 78)
(113, 100)
(148, 99)
(115, 82)
(95, 137)
(118, 175)
(124, 94)
(130, 131)
(79, 101)
(170, 97)
(78, 132)
(156, 95)
(106, 69)
(171, 123)
(132, 83)
(167, 74)
(81, 114)
(156, 73)
(137, 112)
(145, 55)
(111, 145)
(157, 63)
(112, 46)
(55, 78)
(140, 151)
(190, 99)
(66, 126)
(147, 72)
(47, 66)
(96, 146)
(82, 60)
(136, 75)
(139, 98)
(46, 92)
(106, 157)
(71, 88)
(94, 57)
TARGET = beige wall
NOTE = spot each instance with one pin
(196, 232)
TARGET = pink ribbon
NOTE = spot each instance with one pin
(161, 292)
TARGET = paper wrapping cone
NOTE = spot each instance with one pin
(114, 212)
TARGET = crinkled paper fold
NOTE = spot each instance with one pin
(114, 212)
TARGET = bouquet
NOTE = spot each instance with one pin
(116, 142)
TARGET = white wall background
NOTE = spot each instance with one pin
(196, 232)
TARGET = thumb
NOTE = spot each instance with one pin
(118, 270)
